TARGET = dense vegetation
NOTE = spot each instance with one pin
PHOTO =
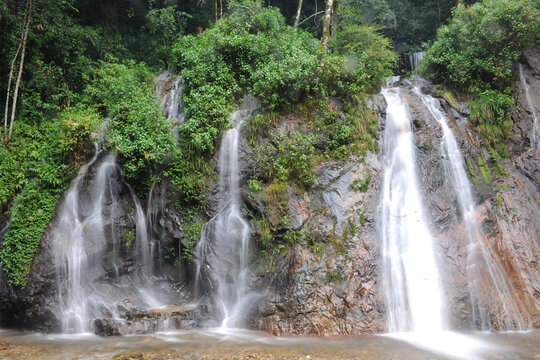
(75, 72)
(476, 52)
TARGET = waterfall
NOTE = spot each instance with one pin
(494, 300)
(155, 208)
(415, 59)
(78, 242)
(171, 93)
(144, 248)
(532, 107)
(223, 249)
(415, 302)
(414, 295)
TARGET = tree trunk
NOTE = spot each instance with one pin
(335, 18)
(216, 10)
(9, 86)
(326, 31)
(297, 19)
(21, 65)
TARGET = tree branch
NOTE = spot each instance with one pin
(309, 17)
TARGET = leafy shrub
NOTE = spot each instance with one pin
(38, 160)
(475, 51)
(138, 129)
(490, 113)
(368, 57)
(291, 160)
(32, 212)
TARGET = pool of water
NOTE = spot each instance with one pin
(244, 344)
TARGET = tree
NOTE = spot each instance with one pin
(297, 19)
(20, 49)
(326, 31)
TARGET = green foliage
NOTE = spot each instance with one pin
(129, 237)
(475, 51)
(77, 127)
(192, 235)
(290, 160)
(37, 158)
(484, 169)
(490, 113)
(33, 209)
(138, 129)
(368, 58)
(472, 171)
(164, 23)
(361, 185)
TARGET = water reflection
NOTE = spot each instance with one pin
(239, 343)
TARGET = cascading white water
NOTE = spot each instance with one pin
(155, 208)
(415, 306)
(414, 296)
(415, 59)
(493, 298)
(532, 107)
(141, 237)
(224, 243)
(172, 99)
(79, 229)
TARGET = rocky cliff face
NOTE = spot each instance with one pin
(326, 276)
(338, 291)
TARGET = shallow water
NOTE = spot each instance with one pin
(244, 344)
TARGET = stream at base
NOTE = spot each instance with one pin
(244, 344)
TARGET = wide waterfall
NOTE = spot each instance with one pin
(493, 298)
(413, 290)
(80, 229)
(415, 301)
(222, 252)
(532, 107)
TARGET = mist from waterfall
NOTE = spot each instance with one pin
(224, 244)
(494, 301)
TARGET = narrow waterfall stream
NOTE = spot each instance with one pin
(494, 301)
(415, 59)
(415, 300)
(532, 107)
(224, 245)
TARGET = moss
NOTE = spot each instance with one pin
(449, 97)
(362, 185)
(335, 276)
(472, 171)
(484, 169)
(277, 201)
